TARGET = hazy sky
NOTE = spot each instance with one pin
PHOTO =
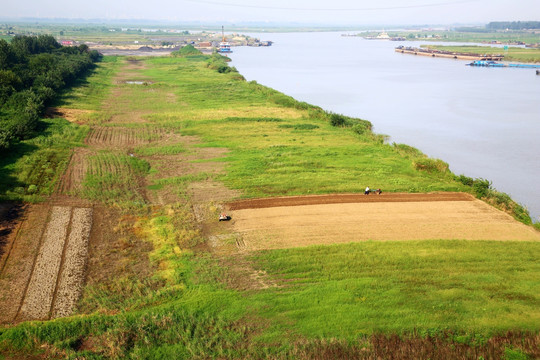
(339, 12)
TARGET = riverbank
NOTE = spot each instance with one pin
(165, 278)
(519, 54)
(448, 54)
(439, 106)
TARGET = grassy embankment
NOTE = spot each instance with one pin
(513, 54)
(354, 301)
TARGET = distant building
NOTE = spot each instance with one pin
(67, 42)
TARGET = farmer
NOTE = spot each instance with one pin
(224, 217)
(367, 191)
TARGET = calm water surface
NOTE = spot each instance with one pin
(485, 122)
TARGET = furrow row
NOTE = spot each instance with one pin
(39, 296)
(57, 279)
(76, 253)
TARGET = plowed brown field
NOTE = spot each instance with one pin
(44, 269)
(329, 219)
(120, 137)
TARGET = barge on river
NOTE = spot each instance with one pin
(496, 64)
(448, 54)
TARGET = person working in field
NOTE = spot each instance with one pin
(368, 190)
(224, 217)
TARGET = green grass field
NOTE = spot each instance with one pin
(461, 299)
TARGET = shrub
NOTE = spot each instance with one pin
(187, 50)
(337, 120)
(481, 187)
(430, 165)
(465, 180)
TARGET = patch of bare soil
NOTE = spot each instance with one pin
(39, 295)
(345, 198)
(9, 223)
(113, 137)
(17, 263)
(73, 178)
(38, 254)
(332, 222)
(71, 277)
(72, 115)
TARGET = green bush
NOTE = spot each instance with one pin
(188, 50)
(430, 165)
(481, 187)
(360, 128)
(338, 120)
(465, 180)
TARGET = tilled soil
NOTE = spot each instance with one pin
(120, 136)
(344, 199)
(39, 296)
(18, 262)
(433, 216)
(45, 268)
(75, 173)
(76, 253)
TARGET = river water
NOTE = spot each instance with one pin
(485, 122)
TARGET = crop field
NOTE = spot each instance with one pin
(122, 137)
(382, 219)
(56, 274)
(128, 239)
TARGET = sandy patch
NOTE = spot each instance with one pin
(72, 115)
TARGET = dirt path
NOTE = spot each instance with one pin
(337, 219)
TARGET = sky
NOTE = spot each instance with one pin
(336, 12)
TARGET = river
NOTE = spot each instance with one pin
(485, 122)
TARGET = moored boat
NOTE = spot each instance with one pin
(224, 46)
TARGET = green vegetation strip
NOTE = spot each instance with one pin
(461, 292)
(512, 54)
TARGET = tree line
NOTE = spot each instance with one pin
(513, 25)
(33, 69)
